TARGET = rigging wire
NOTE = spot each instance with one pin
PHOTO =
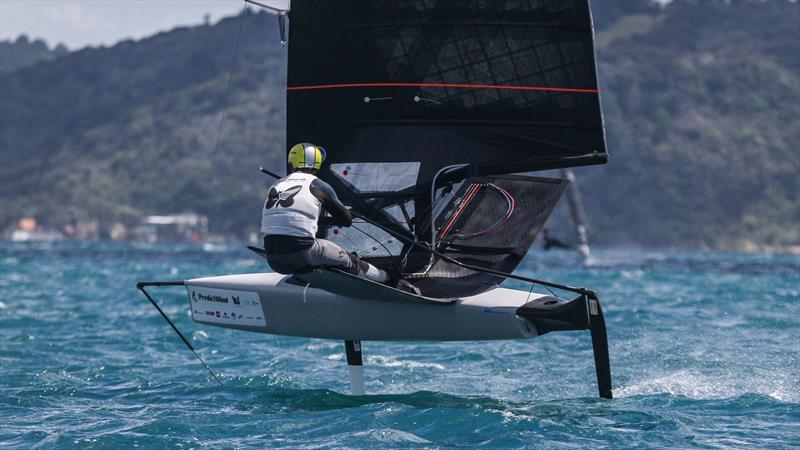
(550, 290)
(374, 239)
(227, 92)
(224, 109)
(394, 260)
(461, 208)
(367, 251)
(511, 205)
(340, 232)
(433, 196)
(372, 249)
(529, 293)
(337, 232)
(141, 286)
(429, 248)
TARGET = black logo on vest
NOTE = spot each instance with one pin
(284, 199)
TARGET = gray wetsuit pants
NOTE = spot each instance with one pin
(324, 253)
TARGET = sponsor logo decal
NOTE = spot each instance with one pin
(283, 199)
(211, 298)
(225, 306)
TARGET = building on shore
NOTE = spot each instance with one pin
(187, 227)
(28, 230)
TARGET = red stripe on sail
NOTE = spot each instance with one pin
(445, 85)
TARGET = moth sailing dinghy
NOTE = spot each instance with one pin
(428, 110)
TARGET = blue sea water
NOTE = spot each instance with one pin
(705, 352)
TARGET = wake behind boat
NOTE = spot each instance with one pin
(431, 110)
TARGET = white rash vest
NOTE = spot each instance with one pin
(291, 209)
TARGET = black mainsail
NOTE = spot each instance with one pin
(425, 106)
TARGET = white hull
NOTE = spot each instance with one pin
(366, 311)
(294, 310)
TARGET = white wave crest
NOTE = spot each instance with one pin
(383, 361)
(707, 387)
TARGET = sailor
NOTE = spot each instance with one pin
(291, 215)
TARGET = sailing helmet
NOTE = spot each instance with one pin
(306, 156)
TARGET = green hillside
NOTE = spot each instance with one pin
(701, 103)
(119, 132)
(22, 52)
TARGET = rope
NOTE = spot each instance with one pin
(509, 212)
(374, 239)
(227, 93)
(394, 260)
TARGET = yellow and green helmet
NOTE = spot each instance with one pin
(306, 156)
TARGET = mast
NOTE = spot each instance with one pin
(577, 213)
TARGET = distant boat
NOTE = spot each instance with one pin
(578, 217)
(35, 236)
(429, 109)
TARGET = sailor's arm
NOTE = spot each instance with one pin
(325, 193)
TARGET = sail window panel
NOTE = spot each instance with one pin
(378, 177)
(397, 212)
(366, 240)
